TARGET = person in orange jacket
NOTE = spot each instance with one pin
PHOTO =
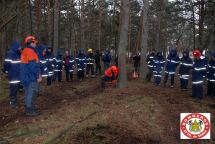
(30, 74)
(111, 75)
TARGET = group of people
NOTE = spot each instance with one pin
(27, 67)
(202, 66)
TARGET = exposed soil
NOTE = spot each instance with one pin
(140, 114)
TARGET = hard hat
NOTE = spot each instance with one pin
(114, 68)
(30, 39)
(196, 54)
(90, 50)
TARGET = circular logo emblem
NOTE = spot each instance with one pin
(195, 126)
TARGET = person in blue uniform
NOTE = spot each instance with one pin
(58, 67)
(41, 52)
(150, 61)
(198, 74)
(171, 65)
(184, 70)
(50, 65)
(106, 58)
(69, 65)
(12, 69)
(81, 64)
(211, 75)
(158, 66)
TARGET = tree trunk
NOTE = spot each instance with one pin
(56, 25)
(201, 22)
(31, 17)
(82, 25)
(101, 3)
(144, 42)
(123, 44)
(160, 15)
(194, 29)
(211, 30)
(129, 34)
(139, 34)
(38, 5)
(50, 23)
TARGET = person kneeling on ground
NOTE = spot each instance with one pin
(111, 75)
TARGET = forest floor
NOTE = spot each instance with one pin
(82, 113)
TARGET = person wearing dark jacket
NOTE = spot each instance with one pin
(41, 52)
(98, 62)
(11, 68)
(69, 65)
(106, 58)
(171, 65)
(184, 70)
(30, 74)
(81, 64)
(150, 62)
(90, 60)
(50, 65)
(198, 74)
(158, 66)
(136, 61)
(211, 75)
(58, 66)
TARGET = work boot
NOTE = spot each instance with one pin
(31, 112)
(13, 105)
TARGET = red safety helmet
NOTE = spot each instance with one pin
(196, 54)
(30, 39)
(114, 69)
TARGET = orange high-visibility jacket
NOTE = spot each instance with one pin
(29, 54)
(29, 67)
(111, 70)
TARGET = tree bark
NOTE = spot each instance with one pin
(211, 30)
(201, 22)
(101, 3)
(31, 17)
(56, 25)
(160, 15)
(82, 25)
(129, 34)
(50, 23)
(144, 42)
(139, 34)
(38, 5)
(123, 44)
(194, 28)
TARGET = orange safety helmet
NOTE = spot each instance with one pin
(114, 69)
(30, 39)
(196, 54)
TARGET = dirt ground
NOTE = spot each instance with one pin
(82, 113)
